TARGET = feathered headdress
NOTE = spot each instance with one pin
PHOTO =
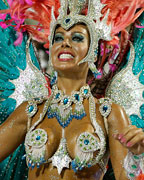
(121, 14)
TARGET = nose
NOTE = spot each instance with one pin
(66, 43)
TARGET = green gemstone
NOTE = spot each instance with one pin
(80, 145)
(134, 166)
(136, 157)
(132, 175)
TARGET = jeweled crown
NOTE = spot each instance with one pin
(70, 13)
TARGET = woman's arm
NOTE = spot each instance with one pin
(117, 121)
(12, 131)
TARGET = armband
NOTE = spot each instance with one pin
(105, 109)
(133, 165)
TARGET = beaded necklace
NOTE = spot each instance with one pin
(61, 105)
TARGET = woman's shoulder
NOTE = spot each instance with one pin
(114, 113)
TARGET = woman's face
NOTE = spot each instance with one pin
(69, 47)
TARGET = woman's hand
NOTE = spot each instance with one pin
(132, 138)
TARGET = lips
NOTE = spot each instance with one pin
(65, 56)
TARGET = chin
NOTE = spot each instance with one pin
(67, 68)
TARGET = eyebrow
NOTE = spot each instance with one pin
(59, 32)
(78, 32)
(72, 32)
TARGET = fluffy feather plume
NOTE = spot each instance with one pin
(38, 12)
(122, 13)
(140, 177)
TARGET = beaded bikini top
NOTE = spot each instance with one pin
(59, 106)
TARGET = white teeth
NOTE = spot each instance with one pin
(65, 56)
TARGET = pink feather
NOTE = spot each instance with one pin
(112, 67)
(138, 26)
(2, 16)
(9, 2)
(19, 39)
(3, 25)
(29, 2)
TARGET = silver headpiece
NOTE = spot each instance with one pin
(98, 29)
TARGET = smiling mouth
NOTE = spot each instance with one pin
(65, 57)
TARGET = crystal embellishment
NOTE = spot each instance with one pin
(31, 108)
(61, 158)
(88, 142)
(35, 146)
(61, 105)
(36, 138)
(67, 20)
(105, 107)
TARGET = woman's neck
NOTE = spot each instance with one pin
(69, 83)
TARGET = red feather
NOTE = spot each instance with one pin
(140, 177)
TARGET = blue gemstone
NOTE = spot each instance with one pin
(67, 20)
(38, 138)
(65, 101)
(85, 91)
(89, 165)
(77, 97)
(38, 165)
(31, 108)
(96, 52)
(86, 141)
(105, 108)
(33, 165)
(29, 164)
(57, 95)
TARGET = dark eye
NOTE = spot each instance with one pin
(58, 38)
(77, 37)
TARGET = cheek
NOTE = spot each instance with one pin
(82, 50)
(54, 52)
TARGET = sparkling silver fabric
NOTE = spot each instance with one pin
(125, 88)
(30, 84)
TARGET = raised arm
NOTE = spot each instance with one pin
(12, 131)
(117, 121)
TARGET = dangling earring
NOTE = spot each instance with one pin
(97, 74)
(53, 77)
